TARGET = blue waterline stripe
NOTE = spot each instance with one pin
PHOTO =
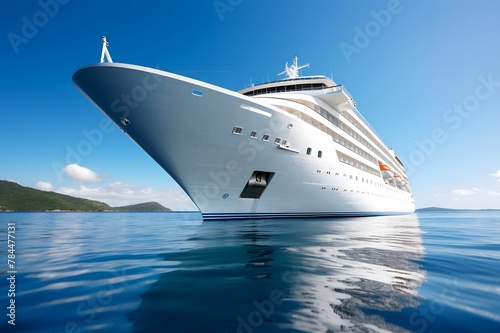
(243, 216)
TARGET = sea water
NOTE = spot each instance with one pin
(171, 272)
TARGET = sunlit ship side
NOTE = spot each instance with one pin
(296, 147)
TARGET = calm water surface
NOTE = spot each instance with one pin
(171, 272)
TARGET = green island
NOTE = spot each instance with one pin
(18, 198)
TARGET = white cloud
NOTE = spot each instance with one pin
(44, 186)
(493, 193)
(461, 191)
(120, 194)
(496, 175)
(81, 175)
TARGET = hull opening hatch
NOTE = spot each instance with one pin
(257, 183)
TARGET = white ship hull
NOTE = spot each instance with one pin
(210, 141)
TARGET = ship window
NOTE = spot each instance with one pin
(320, 153)
(309, 150)
(237, 130)
(265, 137)
(196, 93)
(253, 135)
(277, 141)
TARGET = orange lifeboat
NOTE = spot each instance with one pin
(385, 170)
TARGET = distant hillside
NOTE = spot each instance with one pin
(14, 197)
(434, 209)
(143, 207)
(440, 209)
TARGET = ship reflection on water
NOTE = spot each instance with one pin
(318, 275)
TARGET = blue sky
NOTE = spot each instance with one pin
(425, 74)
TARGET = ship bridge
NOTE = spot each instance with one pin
(306, 83)
(292, 82)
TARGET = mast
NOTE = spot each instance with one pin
(105, 52)
(292, 72)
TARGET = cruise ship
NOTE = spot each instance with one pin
(294, 147)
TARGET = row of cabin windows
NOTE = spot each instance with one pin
(351, 146)
(344, 158)
(356, 136)
(368, 181)
(360, 165)
(363, 130)
(338, 123)
(239, 130)
(279, 141)
(347, 129)
(343, 126)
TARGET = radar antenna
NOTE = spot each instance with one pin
(105, 52)
(292, 72)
